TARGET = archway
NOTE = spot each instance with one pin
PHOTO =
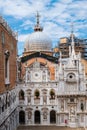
(52, 116)
(37, 117)
(22, 117)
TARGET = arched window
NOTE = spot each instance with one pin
(21, 95)
(52, 116)
(22, 117)
(52, 94)
(7, 54)
(82, 106)
(37, 94)
(37, 117)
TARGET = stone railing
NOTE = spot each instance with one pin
(52, 101)
(72, 93)
(36, 101)
(21, 102)
(7, 112)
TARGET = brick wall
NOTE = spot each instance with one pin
(10, 44)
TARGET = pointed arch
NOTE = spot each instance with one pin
(37, 117)
(22, 117)
(53, 116)
(21, 95)
(36, 93)
(52, 94)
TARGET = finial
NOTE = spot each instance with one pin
(72, 43)
(37, 17)
(72, 35)
(37, 26)
(72, 29)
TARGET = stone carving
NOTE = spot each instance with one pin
(72, 111)
(45, 115)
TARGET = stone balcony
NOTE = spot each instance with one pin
(37, 101)
(52, 101)
(75, 93)
(21, 102)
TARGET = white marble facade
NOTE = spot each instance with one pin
(40, 100)
(61, 102)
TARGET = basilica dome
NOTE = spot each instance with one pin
(38, 40)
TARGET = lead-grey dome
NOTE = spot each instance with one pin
(38, 41)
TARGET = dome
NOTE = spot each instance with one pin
(38, 41)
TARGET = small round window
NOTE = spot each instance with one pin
(71, 76)
(36, 74)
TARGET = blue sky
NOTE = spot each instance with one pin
(56, 17)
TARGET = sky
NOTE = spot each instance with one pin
(56, 17)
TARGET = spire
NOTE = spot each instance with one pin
(72, 28)
(60, 66)
(69, 51)
(72, 42)
(37, 18)
(37, 26)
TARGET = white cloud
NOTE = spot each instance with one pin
(22, 37)
(56, 16)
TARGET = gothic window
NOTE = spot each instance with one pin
(21, 95)
(6, 67)
(52, 94)
(52, 116)
(37, 117)
(22, 117)
(7, 54)
(71, 99)
(82, 106)
(37, 94)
